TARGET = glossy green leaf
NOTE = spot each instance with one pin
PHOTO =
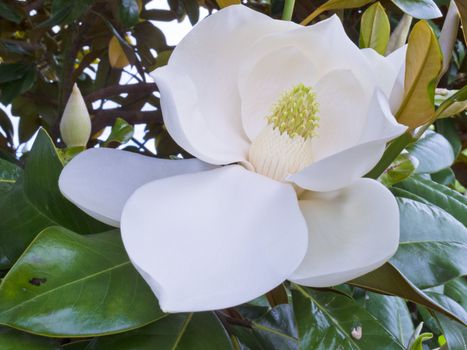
(375, 28)
(422, 68)
(433, 152)
(327, 320)
(389, 280)
(68, 285)
(423, 9)
(442, 196)
(457, 290)
(400, 169)
(36, 196)
(275, 329)
(418, 343)
(454, 333)
(192, 10)
(129, 12)
(9, 173)
(444, 177)
(199, 331)
(433, 244)
(12, 88)
(121, 132)
(13, 71)
(11, 339)
(393, 314)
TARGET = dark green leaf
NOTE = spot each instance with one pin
(451, 201)
(11, 339)
(457, 290)
(327, 320)
(444, 177)
(11, 89)
(423, 9)
(433, 244)
(389, 280)
(447, 128)
(129, 12)
(36, 196)
(66, 284)
(192, 10)
(13, 71)
(10, 13)
(393, 314)
(433, 152)
(199, 331)
(9, 173)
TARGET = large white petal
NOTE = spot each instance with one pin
(352, 232)
(215, 239)
(343, 105)
(100, 180)
(343, 168)
(389, 73)
(205, 63)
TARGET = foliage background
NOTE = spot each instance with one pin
(45, 47)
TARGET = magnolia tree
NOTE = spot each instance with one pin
(305, 189)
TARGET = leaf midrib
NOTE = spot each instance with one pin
(65, 285)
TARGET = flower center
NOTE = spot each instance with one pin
(283, 147)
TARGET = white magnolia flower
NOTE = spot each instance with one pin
(284, 121)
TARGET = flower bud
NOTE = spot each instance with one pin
(75, 126)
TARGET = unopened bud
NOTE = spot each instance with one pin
(75, 126)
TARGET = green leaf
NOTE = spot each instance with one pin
(36, 196)
(11, 339)
(451, 201)
(433, 152)
(444, 177)
(454, 104)
(9, 173)
(274, 330)
(399, 170)
(423, 66)
(68, 285)
(121, 132)
(423, 9)
(327, 320)
(457, 290)
(389, 280)
(129, 12)
(375, 28)
(194, 331)
(10, 13)
(433, 245)
(13, 71)
(447, 128)
(418, 343)
(9, 90)
(192, 10)
(393, 314)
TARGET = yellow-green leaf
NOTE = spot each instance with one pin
(225, 3)
(423, 65)
(462, 7)
(335, 5)
(117, 57)
(375, 28)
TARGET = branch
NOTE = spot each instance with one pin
(107, 117)
(116, 90)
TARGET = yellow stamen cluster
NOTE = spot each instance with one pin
(296, 113)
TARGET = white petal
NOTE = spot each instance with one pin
(205, 66)
(352, 232)
(343, 168)
(343, 105)
(100, 180)
(389, 73)
(214, 239)
(262, 85)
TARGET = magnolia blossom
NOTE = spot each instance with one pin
(284, 121)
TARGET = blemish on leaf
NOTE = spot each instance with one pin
(36, 281)
(357, 333)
